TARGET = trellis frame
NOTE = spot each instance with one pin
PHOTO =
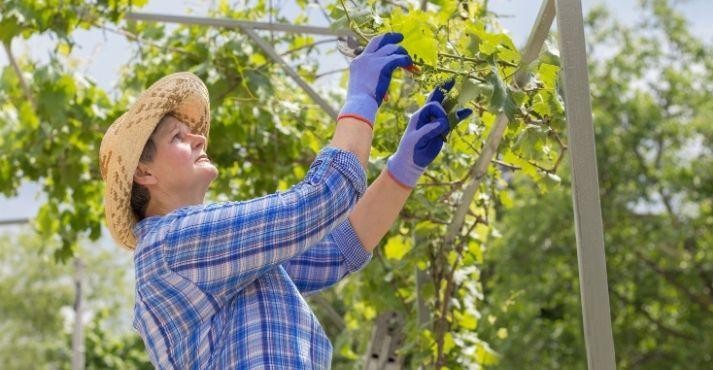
(585, 183)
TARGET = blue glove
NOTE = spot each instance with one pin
(422, 140)
(370, 75)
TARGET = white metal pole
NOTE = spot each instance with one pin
(78, 350)
(585, 188)
(270, 51)
(236, 23)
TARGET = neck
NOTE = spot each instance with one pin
(163, 205)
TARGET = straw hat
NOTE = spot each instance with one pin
(183, 95)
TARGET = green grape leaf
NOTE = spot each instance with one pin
(531, 141)
(471, 89)
(548, 75)
(419, 37)
(500, 93)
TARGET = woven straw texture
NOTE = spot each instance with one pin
(183, 95)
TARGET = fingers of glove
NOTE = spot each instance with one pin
(395, 61)
(391, 49)
(430, 144)
(440, 91)
(433, 130)
(430, 112)
(386, 71)
(463, 113)
(388, 38)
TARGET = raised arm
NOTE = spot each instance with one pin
(369, 79)
(343, 251)
(223, 247)
(348, 248)
(420, 144)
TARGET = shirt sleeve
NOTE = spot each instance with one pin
(224, 246)
(329, 261)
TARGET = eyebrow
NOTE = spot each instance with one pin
(167, 130)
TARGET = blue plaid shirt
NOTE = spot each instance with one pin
(221, 286)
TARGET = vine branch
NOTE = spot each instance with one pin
(352, 24)
(25, 88)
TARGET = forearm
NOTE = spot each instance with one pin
(353, 136)
(377, 210)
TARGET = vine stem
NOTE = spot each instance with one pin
(474, 60)
(352, 24)
(451, 71)
(18, 72)
(310, 45)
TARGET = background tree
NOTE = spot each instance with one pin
(652, 87)
(36, 301)
(30, 283)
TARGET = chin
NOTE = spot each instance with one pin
(209, 168)
(215, 173)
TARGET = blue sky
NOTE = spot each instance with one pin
(106, 52)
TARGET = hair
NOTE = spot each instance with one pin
(140, 195)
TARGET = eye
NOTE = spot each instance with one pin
(177, 136)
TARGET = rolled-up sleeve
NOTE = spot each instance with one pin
(224, 246)
(329, 261)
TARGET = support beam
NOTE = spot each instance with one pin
(539, 32)
(386, 338)
(15, 221)
(270, 51)
(78, 345)
(585, 188)
(234, 23)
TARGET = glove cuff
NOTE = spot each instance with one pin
(406, 175)
(362, 108)
(356, 117)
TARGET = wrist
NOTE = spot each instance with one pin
(396, 181)
(403, 172)
(361, 107)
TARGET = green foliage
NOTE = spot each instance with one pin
(455, 40)
(27, 18)
(36, 300)
(106, 351)
(652, 97)
(265, 133)
(31, 295)
(54, 139)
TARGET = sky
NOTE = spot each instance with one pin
(105, 52)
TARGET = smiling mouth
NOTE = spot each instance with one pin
(203, 157)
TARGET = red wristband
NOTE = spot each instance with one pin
(397, 181)
(356, 117)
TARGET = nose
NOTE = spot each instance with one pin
(198, 141)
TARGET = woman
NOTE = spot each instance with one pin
(221, 285)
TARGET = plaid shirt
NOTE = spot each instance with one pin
(221, 286)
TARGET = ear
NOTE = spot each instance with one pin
(143, 175)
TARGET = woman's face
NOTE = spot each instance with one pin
(180, 167)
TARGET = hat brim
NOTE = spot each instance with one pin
(183, 95)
